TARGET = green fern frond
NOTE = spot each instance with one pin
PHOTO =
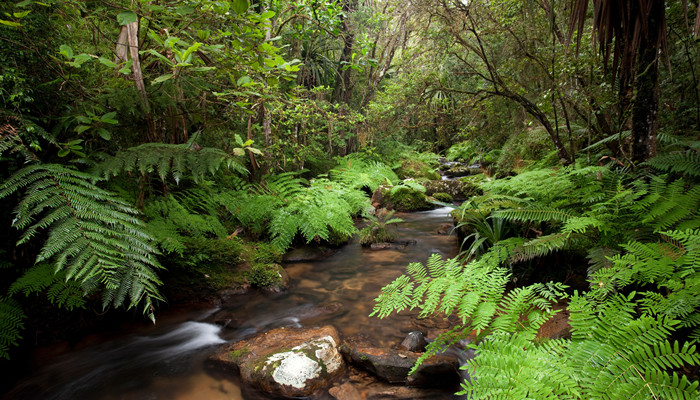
(92, 234)
(686, 163)
(11, 324)
(539, 214)
(43, 278)
(356, 173)
(166, 160)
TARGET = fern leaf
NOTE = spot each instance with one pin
(92, 234)
(11, 324)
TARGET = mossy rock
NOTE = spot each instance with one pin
(443, 197)
(269, 277)
(405, 198)
(416, 170)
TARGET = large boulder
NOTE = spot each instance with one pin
(394, 365)
(286, 362)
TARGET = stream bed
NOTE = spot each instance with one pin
(168, 361)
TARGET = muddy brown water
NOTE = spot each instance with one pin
(168, 360)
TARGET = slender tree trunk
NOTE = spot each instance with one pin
(345, 87)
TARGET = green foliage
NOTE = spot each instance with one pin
(93, 237)
(12, 318)
(416, 169)
(377, 231)
(178, 161)
(43, 278)
(264, 275)
(188, 213)
(462, 151)
(355, 172)
(611, 355)
(323, 207)
(669, 270)
(686, 163)
(475, 291)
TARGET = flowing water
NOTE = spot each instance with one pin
(168, 362)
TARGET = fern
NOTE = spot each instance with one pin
(12, 317)
(186, 213)
(166, 160)
(612, 355)
(43, 278)
(324, 207)
(354, 172)
(687, 163)
(93, 237)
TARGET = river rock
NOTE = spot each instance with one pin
(286, 362)
(414, 341)
(393, 365)
(282, 285)
(444, 229)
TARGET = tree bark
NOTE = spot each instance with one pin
(646, 102)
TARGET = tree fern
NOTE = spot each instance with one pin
(178, 161)
(93, 237)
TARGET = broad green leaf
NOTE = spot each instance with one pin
(126, 17)
(162, 78)
(188, 53)
(243, 80)
(81, 128)
(237, 151)
(24, 3)
(240, 6)
(184, 10)
(21, 14)
(254, 150)
(10, 23)
(267, 15)
(109, 118)
(66, 51)
(104, 134)
(107, 62)
(63, 152)
(83, 119)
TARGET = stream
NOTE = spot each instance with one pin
(168, 360)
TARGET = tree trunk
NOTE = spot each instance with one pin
(646, 102)
(345, 86)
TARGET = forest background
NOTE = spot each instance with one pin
(146, 140)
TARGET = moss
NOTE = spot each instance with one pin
(408, 199)
(262, 253)
(236, 354)
(264, 275)
(443, 197)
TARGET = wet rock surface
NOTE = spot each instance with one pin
(285, 362)
(393, 366)
(415, 341)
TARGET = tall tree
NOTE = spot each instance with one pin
(634, 33)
